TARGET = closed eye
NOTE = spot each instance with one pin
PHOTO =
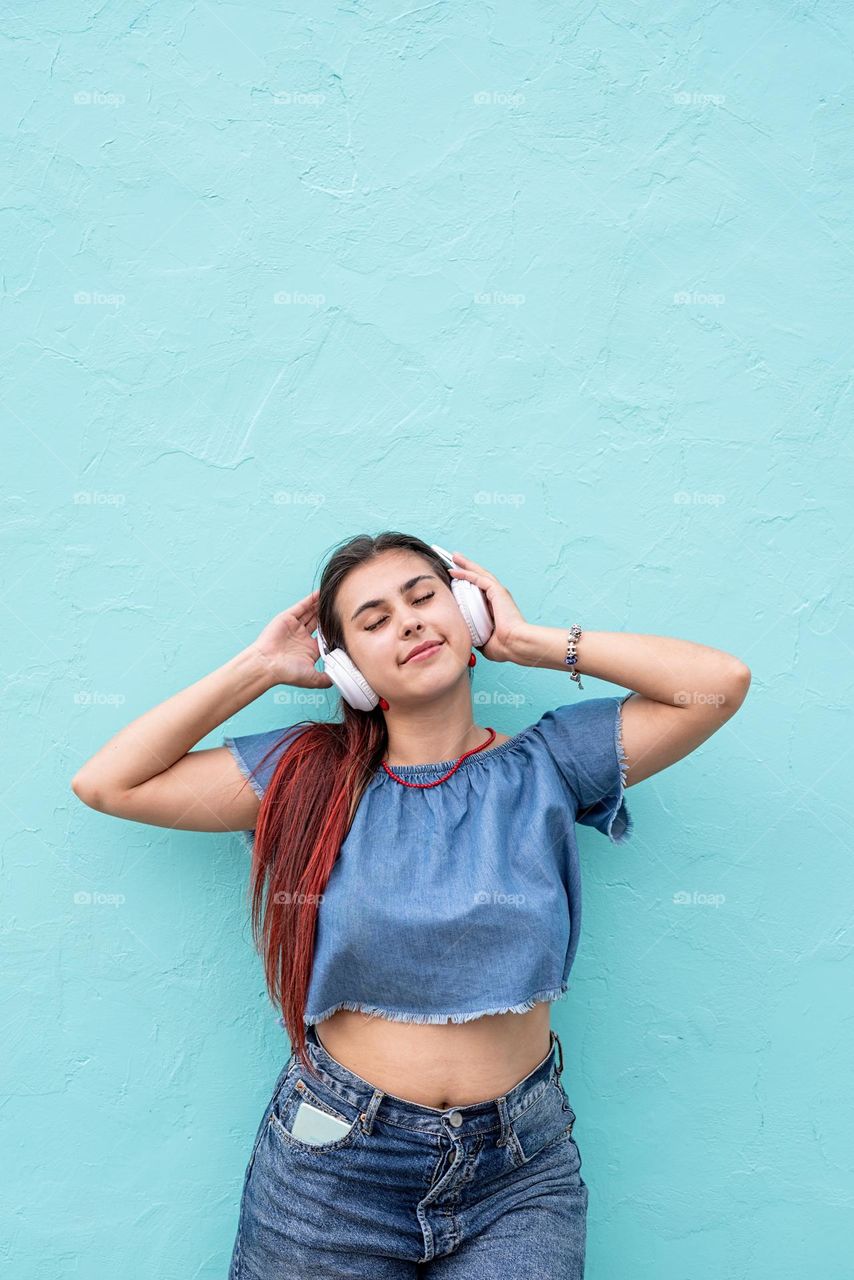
(420, 600)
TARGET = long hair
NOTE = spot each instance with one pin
(310, 802)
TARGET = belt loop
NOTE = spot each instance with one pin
(503, 1137)
(559, 1053)
(367, 1117)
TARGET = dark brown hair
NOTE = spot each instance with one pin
(308, 807)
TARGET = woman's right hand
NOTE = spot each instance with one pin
(287, 645)
(147, 772)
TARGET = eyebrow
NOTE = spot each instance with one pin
(410, 582)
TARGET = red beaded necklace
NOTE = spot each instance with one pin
(444, 777)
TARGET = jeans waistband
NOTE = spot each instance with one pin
(476, 1117)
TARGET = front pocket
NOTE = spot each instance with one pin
(287, 1115)
(544, 1123)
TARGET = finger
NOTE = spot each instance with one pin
(464, 562)
(482, 580)
(303, 606)
(307, 604)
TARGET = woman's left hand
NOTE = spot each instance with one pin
(505, 613)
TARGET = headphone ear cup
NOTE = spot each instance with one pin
(346, 677)
(349, 681)
(472, 602)
(474, 608)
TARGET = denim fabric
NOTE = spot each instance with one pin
(250, 749)
(464, 899)
(480, 1192)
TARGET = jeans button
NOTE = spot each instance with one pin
(455, 1118)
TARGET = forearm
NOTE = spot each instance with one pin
(676, 672)
(155, 740)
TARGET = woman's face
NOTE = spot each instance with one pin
(390, 605)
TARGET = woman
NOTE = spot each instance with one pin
(416, 894)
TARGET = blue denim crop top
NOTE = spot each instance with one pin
(451, 902)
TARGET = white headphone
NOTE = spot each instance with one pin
(347, 677)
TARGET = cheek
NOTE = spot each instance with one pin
(375, 654)
(456, 631)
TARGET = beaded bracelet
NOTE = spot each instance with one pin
(571, 655)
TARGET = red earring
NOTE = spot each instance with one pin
(472, 660)
(383, 704)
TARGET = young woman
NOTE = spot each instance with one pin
(415, 892)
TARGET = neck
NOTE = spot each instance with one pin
(443, 730)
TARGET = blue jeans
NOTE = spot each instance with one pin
(489, 1190)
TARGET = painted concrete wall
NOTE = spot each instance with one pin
(567, 287)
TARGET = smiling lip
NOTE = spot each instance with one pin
(423, 652)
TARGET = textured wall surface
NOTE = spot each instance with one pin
(567, 287)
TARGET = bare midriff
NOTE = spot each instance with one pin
(449, 1064)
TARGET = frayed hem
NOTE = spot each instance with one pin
(397, 1015)
(243, 767)
(621, 813)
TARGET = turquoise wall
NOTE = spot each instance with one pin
(566, 287)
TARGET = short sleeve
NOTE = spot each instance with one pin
(257, 754)
(585, 742)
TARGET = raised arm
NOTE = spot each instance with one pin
(683, 692)
(148, 771)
